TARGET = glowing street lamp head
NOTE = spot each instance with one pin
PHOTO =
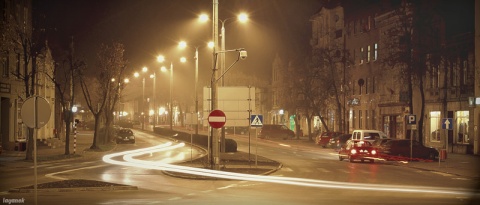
(203, 18)
(113, 79)
(126, 80)
(152, 76)
(183, 59)
(144, 69)
(243, 17)
(161, 58)
(136, 74)
(163, 69)
(182, 44)
(211, 44)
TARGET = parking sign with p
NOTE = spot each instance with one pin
(411, 119)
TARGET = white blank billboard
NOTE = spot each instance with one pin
(234, 102)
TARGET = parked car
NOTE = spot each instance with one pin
(325, 137)
(125, 123)
(380, 142)
(401, 147)
(276, 131)
(125, 135)
(358, 150)
(338, 141)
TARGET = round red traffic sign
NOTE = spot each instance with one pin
(217, 119)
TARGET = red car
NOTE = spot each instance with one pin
(358, 150)
(325, 137)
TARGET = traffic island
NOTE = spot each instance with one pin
(235, 162)
(74, 185)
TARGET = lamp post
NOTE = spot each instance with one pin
(136, 74)
(161, 59)
(153, 76)
(242, 18)
(182, 45)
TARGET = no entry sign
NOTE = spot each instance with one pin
(217, 119)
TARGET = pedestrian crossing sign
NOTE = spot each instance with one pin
(256, 120)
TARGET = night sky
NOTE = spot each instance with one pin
(151, 27)
(148, 28)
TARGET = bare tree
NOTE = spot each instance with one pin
(415, 35)
(100, 92)
(65, 75)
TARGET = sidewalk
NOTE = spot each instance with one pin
(45, 153)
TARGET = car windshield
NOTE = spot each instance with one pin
(125, 133)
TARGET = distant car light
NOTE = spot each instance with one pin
(353, 151)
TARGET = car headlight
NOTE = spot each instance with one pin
(353, 151)
(132, 137)
(374, 152)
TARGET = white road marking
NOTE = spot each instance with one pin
(323, 170)
(51, 175)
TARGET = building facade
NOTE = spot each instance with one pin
(15, 25)
(378, 96)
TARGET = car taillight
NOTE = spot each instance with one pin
(353, 151)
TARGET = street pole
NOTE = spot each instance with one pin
(171, 93)
(143, 103)
(154, 106)
(196, 93)
(214, 133)
(222, 72)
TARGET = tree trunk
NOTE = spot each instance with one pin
(95, 133)
(29, 152)
(422, 111)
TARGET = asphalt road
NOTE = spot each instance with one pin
(326, 180)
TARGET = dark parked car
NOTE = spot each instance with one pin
(358, 150)
(125, 123)
(325, 137)
(276, 131)
(125, 135)
(401, 147)
(339, 141)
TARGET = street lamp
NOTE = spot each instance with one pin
(153, 76)
(161, 59)
(182, 45)
(243, 17)
(136, 74)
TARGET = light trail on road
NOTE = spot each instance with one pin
(130, 160)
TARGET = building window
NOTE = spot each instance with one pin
(375, 52)
(353, 87)
(465, 73)
(352, 118)
(435, 126)
(455, 75)
(368, 54)
(361, 55)
(434, 78)
(367, 120)
(373, 84)
(6, 66)
(462, 127)
(374, 120)
(360, 119)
